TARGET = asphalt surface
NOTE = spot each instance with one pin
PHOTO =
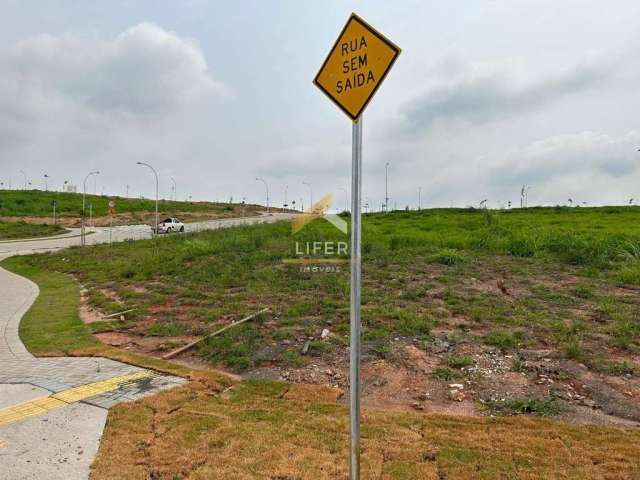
(62, 442)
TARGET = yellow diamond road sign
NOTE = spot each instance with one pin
(356, 66)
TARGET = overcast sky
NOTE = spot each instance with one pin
(485, 97)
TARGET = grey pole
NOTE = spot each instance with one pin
(310, 194)
(25, 178)
(84, 193)
(386, 187)
(258, 179)
(356, 232)
(175, 189)
(286, 188)
(156, 174)
(419, 198)
(346, 199)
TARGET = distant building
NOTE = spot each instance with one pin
(68, 188)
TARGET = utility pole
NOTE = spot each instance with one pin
(83, 240)
(310, 194)
(258, 179)
(346, 199)
(155, 229)
(286, 188)
(386, 187)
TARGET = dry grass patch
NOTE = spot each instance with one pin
(255, 430)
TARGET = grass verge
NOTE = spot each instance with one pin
(20, 230)
(52, 326)
(262, 429)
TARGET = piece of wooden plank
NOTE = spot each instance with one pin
(118, 313)
(217, 332)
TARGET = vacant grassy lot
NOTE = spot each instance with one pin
(35, 203)
(261, 429)
(17, 230)
(532, 310)
(280, 431)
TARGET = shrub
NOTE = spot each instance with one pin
(504, 340)
(449, 257)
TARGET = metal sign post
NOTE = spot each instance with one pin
(357, 64)
(356, 286)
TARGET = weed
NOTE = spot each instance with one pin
(449, 257)
(504, 340)
(445, 373)
(545, 407)
(458, 362)
(621, 368)
(572, 349)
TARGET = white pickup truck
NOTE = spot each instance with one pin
(169, 225)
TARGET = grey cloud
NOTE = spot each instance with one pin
(144, 70)
(569, 154)
(480, 94)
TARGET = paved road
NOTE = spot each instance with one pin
(122, 233)
(53, 410)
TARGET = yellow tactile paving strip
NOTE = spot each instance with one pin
(42, 405)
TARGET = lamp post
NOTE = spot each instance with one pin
(155, 229)
(175, 189)
(46, 183)
(310, 195)
(84, 193)
(286, 189)
(386, 187)
(346, 199)
(25, 178)
(419, 198)
(258, 179)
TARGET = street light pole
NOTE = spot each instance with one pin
(386, 187)
(419, 198)
(175, 189)
(25, 178)
(310, 194)
(84, 193)
(156, 175)
(346, 199)
(286, 189)
(46, 183)
(258, 179)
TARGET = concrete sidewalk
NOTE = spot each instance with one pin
(61, 443)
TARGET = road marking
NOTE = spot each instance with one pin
(43, 405)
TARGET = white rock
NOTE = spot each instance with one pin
(325, 333)
(459, 386)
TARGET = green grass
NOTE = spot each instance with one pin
(19, 230)
(52, 325)
(419, 270)
(544, 407)
(36, 203)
